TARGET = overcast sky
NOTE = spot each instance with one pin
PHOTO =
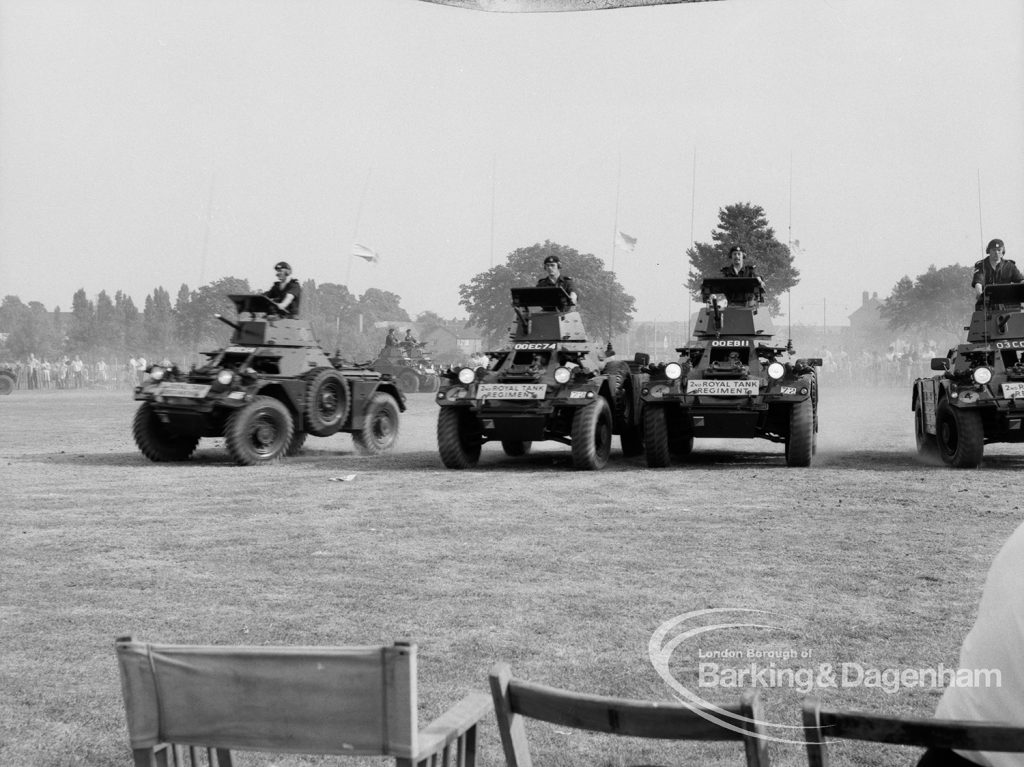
(157, 143)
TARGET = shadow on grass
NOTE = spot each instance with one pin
(544, 459)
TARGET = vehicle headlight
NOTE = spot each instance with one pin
(562, 375)
(225, 377)
(982, 375)
(673, 370)
(776, 370)
(467, 375)
(157, 373)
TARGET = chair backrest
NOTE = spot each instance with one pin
(516, 700)
(822, 723)
(313, 700)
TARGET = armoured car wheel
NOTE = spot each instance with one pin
(960, 435)
(409, 381)
(6, 384)
(430, 383)
(656, 436)
(380, 426)
(157, 441)
(298, 440)
(800, 442)
(926, 444)
(592, 435)
(458, 438)
(515, 448)
(629, 427)
(327, 402)
(260, 432)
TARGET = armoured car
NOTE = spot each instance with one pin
(409, 364)
(731, 382)
(549, 383)
(8, 379)
(264, 393)
(977, 396)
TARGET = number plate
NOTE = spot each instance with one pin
(712, 388)
(176, 389)
(1013, 390)
(511, 391)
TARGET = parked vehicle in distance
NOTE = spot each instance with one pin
(409, 364)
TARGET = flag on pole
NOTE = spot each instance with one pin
(363, 252)
(626, 242)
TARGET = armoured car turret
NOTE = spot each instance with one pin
(732, 382)
(550, 383)
(264, 392)
(977, 397)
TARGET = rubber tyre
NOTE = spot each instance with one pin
(430, 383)
(6, 384)
(592, 435)
(380, 426)
(656, 436)
(156, 441)
(960, 435)
(259, 432)
(408, 381)
(800, 442)
(295, 446)
(327, 402)
(516, 448)
(629, 427)
(458, 438)
(926, 444)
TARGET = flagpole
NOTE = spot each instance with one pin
(615, 234)
(693, 207)
(494, 176)
(355, 229)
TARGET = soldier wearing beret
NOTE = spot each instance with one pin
(554, 278)
(992, 270)
(286, 291)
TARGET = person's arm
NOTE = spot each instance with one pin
(978, 280)
(286, 301)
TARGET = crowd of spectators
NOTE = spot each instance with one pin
(70, 371)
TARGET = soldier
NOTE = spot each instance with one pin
(285, 293)
(736, 267)
(993, 270)
(555, 278)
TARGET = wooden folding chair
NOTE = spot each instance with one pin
(822, 723)
(189, 705)
(516, 700)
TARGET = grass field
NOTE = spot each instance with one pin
(868, 557)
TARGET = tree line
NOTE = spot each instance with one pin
(115, 328)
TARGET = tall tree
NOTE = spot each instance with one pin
(938, 301)
(606, 309)
(378, 305)
(158, 321)
(107, 331)
(745, 225)
(129, 321)
(197, 312)
(82, 329)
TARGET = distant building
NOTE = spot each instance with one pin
(866, 324)
(453, 342)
